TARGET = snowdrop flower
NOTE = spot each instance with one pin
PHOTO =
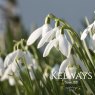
(17, 64)
(69, 71)
(14, 68)
(14, 62)
(64, 45)
(37, 33)
(84, 34)
(1, 67)
(10, 57)
(87, 30)
(54, 71)
(92, 37)
(48, 36)
(19, 59)
(18, 54)
(68, 65)
(9, 74)
(59, 42)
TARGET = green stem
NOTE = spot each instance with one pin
(17, 90)
(1, 91)
(88, 53)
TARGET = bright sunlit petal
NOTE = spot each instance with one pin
(49, 47)
(47, 37)
(34, 36)
(64, 45)
(84, 34)
(63, 66)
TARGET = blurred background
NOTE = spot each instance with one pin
(18, 17)
(34, 11)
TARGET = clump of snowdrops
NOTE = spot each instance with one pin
(30, 68)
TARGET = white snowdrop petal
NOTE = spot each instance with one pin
(93, 37)
(58, 32)
(7, 72)
(34, 36)
(63, 66)
(49, 47)
(70, 71)
(84, 34)
(69, 49)
(80, 63)
(63, 45)
(46, 28)
(14, 66)
(56, 29)
(90, 26)
(28, 57)
(56, 45)
(86, 31)
(11, 81)
(9, 59)
(19, 54)
(47, 37)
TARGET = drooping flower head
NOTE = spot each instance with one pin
(69, 66)
(90, 28)
(60, 42)
(49, 35)
(39, 32)
(18, 61)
